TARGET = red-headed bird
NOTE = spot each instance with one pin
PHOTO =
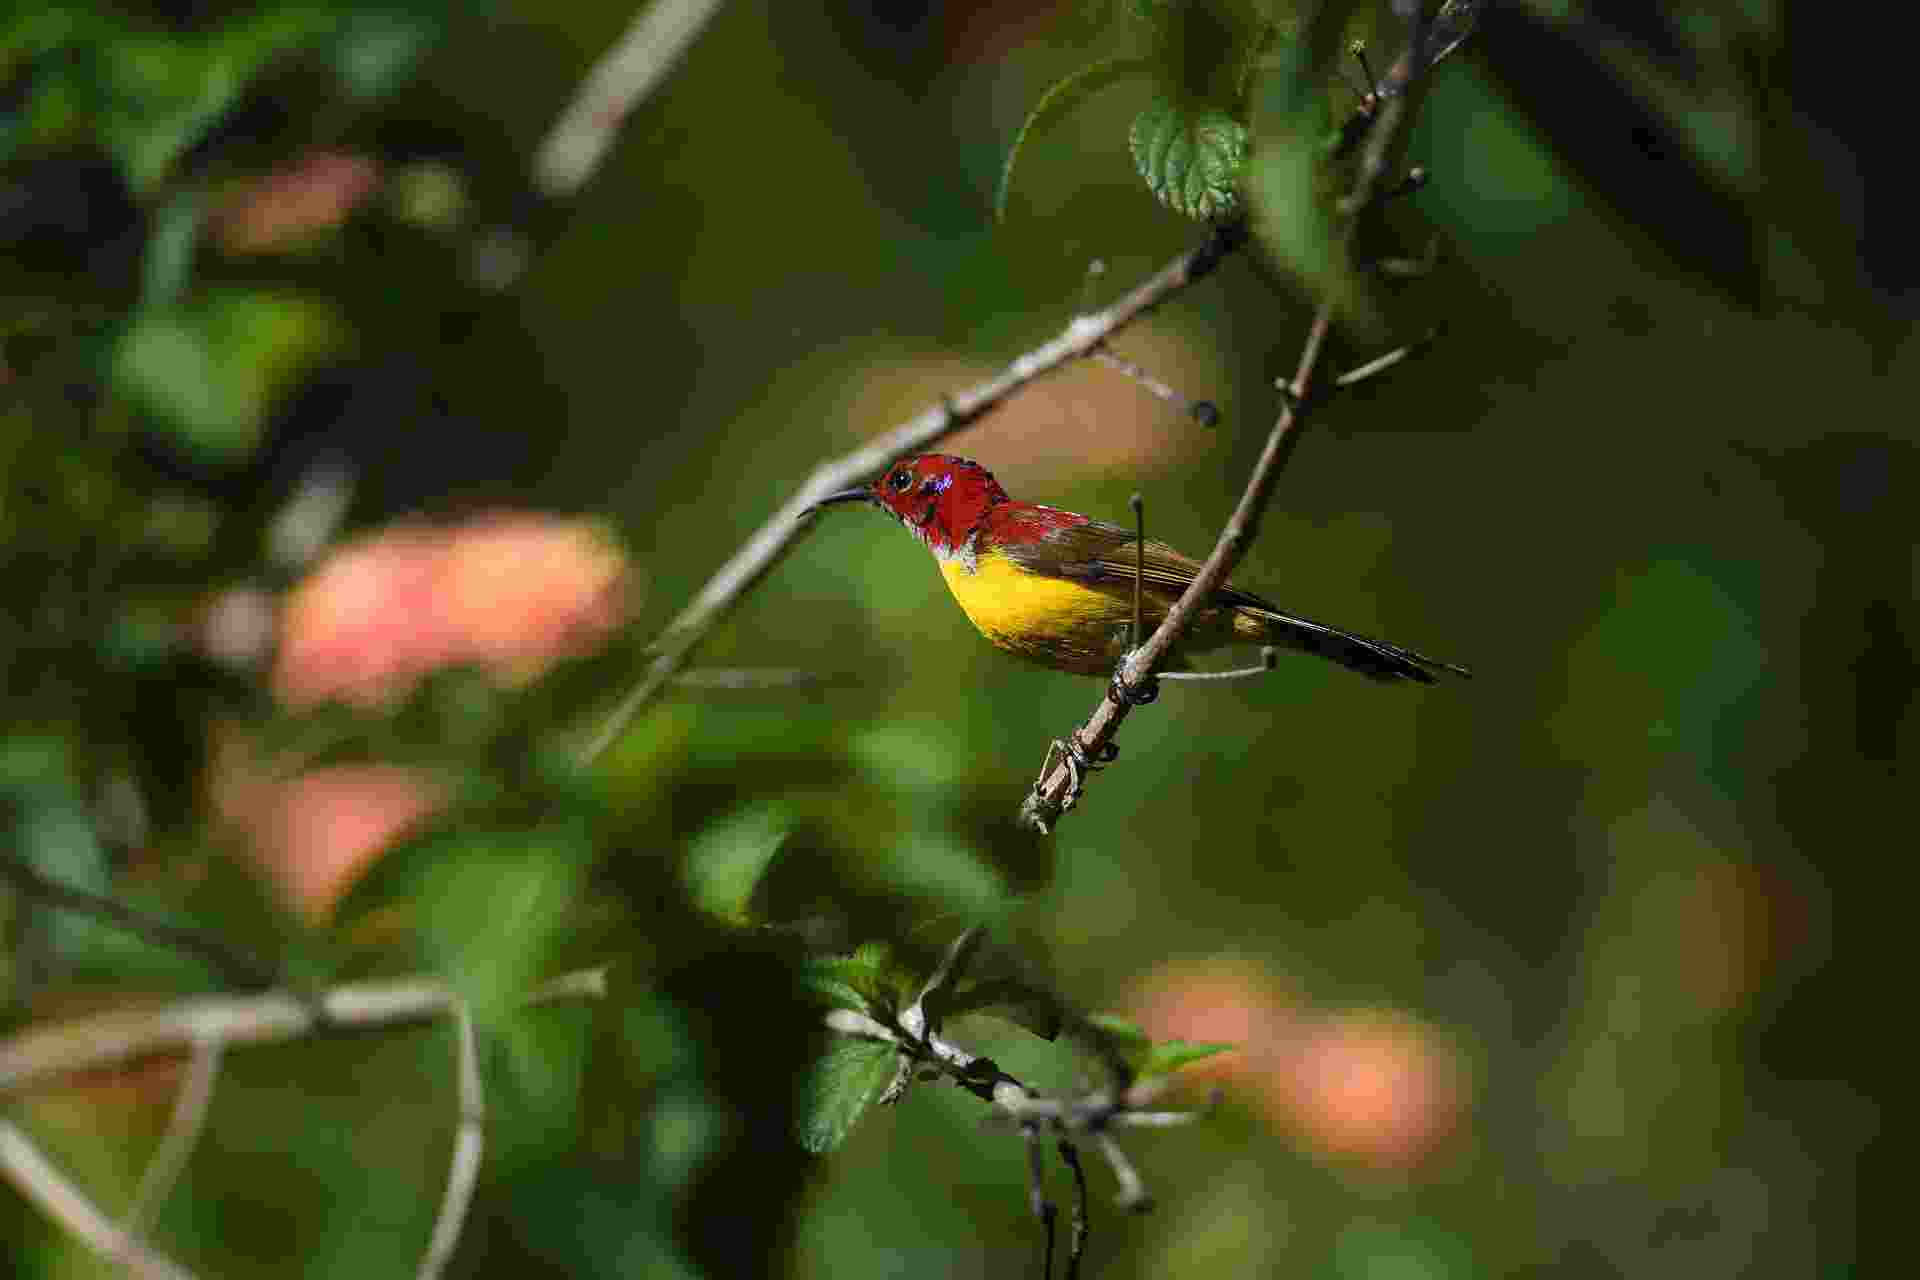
(1057, 587)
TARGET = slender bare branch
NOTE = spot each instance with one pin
(1077, 1243)
(40, 1181)
(463, 1172)
(1134, 1196)
(749, 564)
(42, 1054)
(237, 966)
(626, 73)
(184, 1127)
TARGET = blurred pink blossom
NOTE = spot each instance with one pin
(316, 833)
(1375, 1088)
(511, 592)
(313, 193)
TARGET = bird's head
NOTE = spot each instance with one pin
(938, 497)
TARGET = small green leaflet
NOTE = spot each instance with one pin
(1192, 158)
(841, 1086)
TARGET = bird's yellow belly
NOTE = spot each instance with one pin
(1062, 623)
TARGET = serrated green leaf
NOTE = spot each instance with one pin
(1065, 94)
(727, 859)
(866, 980)
(1192, 157)
(842, 1084)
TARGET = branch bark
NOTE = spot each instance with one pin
(40, 1180)
(44, 1054)
(620, 81)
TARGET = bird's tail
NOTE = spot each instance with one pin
(1372, 658)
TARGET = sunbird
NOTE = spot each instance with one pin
(1058, 587)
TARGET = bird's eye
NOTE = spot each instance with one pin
(900, 481)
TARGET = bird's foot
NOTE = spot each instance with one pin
(1147, 690)
(1070, 751)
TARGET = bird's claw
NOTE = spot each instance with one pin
(1079, 764)
(1147, 691)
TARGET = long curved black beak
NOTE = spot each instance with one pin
(861, 494)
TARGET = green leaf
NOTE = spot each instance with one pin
(495, 905)
(1065, 94)
(839, 1088)
(866, 980)
(1192, 158)
(939, 866)
(1168, 1056)
(210, 371)
(1291, 187)
(1147, 1056)
(728, 858)
(377, 50)
(1026, 1006)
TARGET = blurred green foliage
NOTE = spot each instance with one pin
(1655, 486)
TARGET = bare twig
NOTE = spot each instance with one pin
(745, 678)
(1134, 1196)
(43, 1054)
(1380, 364)
(1085, 334)
(1037, 1203)
(238, 967)
(184, 1127)
(463, 1171)
(1205, 412)
(1062, 784)
(40, 1181)
(1077, 1243)
(651, 47)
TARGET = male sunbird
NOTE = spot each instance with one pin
(1058, 587)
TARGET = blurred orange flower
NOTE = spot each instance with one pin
(511, 592)
(1376, 1088)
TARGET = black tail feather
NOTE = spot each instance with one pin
(1375, 659)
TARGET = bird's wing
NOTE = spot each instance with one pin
(1098, 552)
(1107, 553)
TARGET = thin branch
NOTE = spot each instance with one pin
(184, 1127)
(1060, 788)
(1077, 1243)
(44, 1054)
(463, 1172)
(750, 563)
(1037, 1203)
(239, 967)
(1380, 364)
(1134, 1196)
(40, 1181)
(746, 678)
(626, 73)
